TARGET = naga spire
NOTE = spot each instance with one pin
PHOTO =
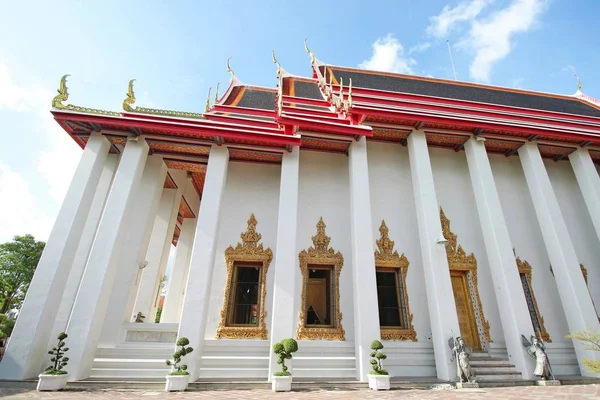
(277, 63)
(230, 70)
(350, 94)
(63, 93)
(207, 106)
(217, 94)
(310, 53)
(578, 82)
(130, 99)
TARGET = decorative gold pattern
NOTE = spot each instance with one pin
(583, 272)
(247, 251)
(525, 268)
(387, 257)
(63, 95)
(458, 260)
(321, 254)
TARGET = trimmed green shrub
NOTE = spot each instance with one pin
(177, 367)
(377, 356)
(284, 351)
(58, 357)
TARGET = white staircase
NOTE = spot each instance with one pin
(493, 369)
(132, 361)
(324, 359)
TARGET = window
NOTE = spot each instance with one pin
(320, 317)
(534, 312)
(243, 313)
(391, 310)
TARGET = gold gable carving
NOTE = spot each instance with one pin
(387, 257)
(320, 254)
(525, 268)
(249, 250)
(458, 260)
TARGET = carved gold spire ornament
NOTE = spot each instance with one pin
(207, 105)
(578, 82)
(130, 97)
(525, 269)
(313, 60)
(321, 255)
(248, 251)
(387, 257)
(63, 95)
(276, 63)
(217, 94)
(458, 260)
(230, 70)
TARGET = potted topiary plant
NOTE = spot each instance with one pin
(178, 379)
(282, 380)
(54, 377)
(379, 378)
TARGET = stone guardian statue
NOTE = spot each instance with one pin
(537, 350)
(462, 354)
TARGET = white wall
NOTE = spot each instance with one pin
(250, 188)
(324, 192)
(455, 195)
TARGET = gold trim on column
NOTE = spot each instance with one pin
(387, 257)
(525, 268)
(458, 260)
(247, 251)
(320, 254)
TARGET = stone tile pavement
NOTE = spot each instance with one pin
(574, 392)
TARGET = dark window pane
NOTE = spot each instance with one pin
(530, 305)
(387, 298)
(319, 295)
(245, 295)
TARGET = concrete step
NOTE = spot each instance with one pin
(234, 373)
(129, 373)
(324, 362)
(334, 373)
(495, 376)
(113, 363)
(494, 370)
(237, 361)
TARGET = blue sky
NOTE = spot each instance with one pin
(177, 49)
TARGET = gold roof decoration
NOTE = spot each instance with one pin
(207, 105)
(313, 60)
(230, 70)
(386, 256)
(130, 97)
(63, 95)
(217, 94)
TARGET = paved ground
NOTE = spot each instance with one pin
(575, 392)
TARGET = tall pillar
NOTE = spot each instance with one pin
(366, 311)
(135, 245)
(158, 253)
(574, 296)
(440, 297)
(85, 325)
(197, 293)
(283, 321)
(180, 272)
(514, 313)
(85, 244)
(27, 351)
(589, 183)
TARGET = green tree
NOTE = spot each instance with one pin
(593, 340)
(18, 260)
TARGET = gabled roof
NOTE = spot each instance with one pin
(400, 83)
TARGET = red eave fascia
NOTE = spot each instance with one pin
(305, 101)
(326, 127)
(333, 118)
(243, 110)
(227, 132)
(241, 121)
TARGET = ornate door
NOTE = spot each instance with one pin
(464, 309)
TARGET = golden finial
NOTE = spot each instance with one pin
(217, 94)
(578, 82)
(207, 107)
(330, 80)
(130, 99)
(341, 89)
(276, 62)
(63, 93)
(350, 94)
(230, 70)
(310, 53)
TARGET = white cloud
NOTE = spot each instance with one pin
(443, 23)
(419, 47)
(388, 55)
(492, 39)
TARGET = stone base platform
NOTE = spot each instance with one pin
(467, 385)
(547, 383)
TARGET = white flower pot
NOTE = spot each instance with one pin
(52, 382)
(281, 383)
(379, 382)
(177, 383)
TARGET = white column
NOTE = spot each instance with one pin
(158, 253)
(135, 245)
(85, 325)
(283, 321)
(197, 293)
(27, 351)
(514, 313)
(573, 292)
(440, 297)
(366, 311)
(180, 272)
(85, 244)
(589, 183)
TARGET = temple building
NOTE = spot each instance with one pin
(337, 208)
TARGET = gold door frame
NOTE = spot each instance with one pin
(249, 251)
(321, 254)
(386, 257)
(525, 268)
(458, 260)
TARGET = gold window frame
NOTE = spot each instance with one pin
(386, 258)
(249, 252)
(525, 268)
(320, 254)
(458, 260)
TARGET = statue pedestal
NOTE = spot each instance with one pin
(467, 385)
(547, 383)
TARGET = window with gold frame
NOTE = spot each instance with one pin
(534, 312)
(320, 265)
(394, 311)
(243, 313)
